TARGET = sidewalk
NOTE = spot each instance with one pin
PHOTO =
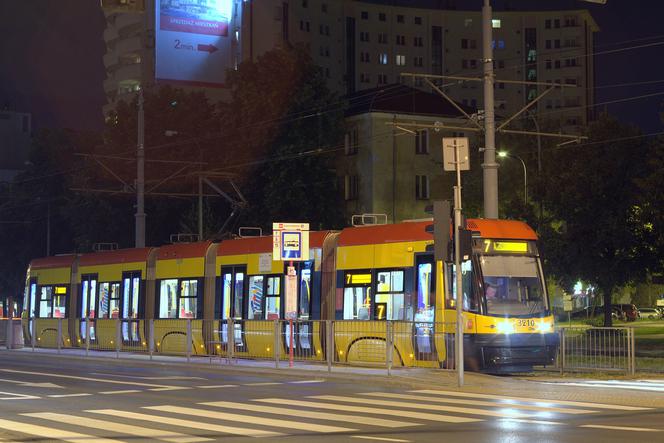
(535, 386)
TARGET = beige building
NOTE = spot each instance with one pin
(392, 162)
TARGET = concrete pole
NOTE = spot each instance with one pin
(140, 175)
(490, 167)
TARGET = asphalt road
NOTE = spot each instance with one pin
(50, 398)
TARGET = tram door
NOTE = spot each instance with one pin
(357, 296)
(232, 304)
(423, 327)
(88, 305)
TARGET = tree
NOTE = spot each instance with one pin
(290, 126)
(598, 231)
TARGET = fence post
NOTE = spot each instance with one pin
(151, 337)
(118, 337)
(9, 336)
(561, 350)
(329, 342)
(231, 340)
(189, 338)
(389, 330)
(633, 349)
(59, 338)
(33, 331)
(276, 344)
(87, 336)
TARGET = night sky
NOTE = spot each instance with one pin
(51, 57)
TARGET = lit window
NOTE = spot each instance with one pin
(382, 58)
(401, 60)
(495, 23)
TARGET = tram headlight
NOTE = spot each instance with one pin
(505, 327)
(545, 327)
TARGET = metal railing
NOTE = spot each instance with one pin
(597, 349)
(384, 344)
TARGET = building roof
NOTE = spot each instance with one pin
(402, 99)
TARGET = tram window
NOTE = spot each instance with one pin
(226, 296)
(33, 295)
(390, 300)
(238, 302)
(188, 298)
(305, 291)
(45, 301)
(254, 310)
(357, 303)
(85, 289)
(126, 300)
(469, 297)
(59, 306)
(425, 293)
(93, 298)
(103, 300)
(115, 300)
(273, 299)
(136, 285)
(168, 303)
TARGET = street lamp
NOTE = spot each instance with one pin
(504, 154)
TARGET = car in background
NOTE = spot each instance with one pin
(626, 311)
(650, 313)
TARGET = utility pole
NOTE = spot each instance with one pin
(140, 175)
(490, 167)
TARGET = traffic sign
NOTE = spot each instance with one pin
(290, 241)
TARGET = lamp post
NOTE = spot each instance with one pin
(504, 154)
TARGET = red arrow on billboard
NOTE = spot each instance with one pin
(207, 48)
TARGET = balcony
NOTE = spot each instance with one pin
(110, 59)
(129, 45)
(110, 86)
(129, 72)
(123, 22)
(110, 33)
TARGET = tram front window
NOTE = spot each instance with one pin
(512, 285)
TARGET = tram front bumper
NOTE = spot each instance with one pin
(515, 352)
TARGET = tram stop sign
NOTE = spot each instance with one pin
(290, 241)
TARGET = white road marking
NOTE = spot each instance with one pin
(367, 437)
(277, 423)
(370, 410)
(306, 413)
(17, 396)
(32, 385)
(539, 422)
(50, 433)
(126, 391)
(528, 399)
(81, 394)
(171, 377)
(136, 431)
(268, 383)
(98, 380)
(171, 388)
(633, 387)
(246, 432)
(216, 386)
(479, 403)
(621, 428)
(506, 413)
(302, 382)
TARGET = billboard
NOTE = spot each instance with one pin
(196, 40)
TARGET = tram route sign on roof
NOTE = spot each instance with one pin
(290, 241)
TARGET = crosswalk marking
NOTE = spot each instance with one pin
(478, 403)
(537, 422)
(304, 413)
(137, 431)
(305, 382)
(509, 413)
(52, 433)
(369, 437)
(278, 423)
(74, 377)
(371, 410)
(620, 428)
(80, 394)
(216, 386)
(651, 387)
(126, 391)
(13, 396)
(268, 383)
(170, 388)
(247, 432)
(527, 399)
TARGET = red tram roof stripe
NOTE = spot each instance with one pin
(59, 261)
(183, 250)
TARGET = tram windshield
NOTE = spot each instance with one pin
(513, 285)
